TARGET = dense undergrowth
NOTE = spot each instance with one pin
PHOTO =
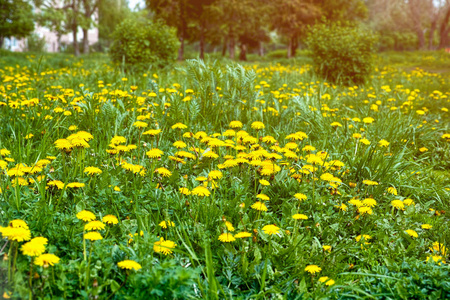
(220, 180)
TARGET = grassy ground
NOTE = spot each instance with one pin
(220, 180)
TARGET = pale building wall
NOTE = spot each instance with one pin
(20, 45)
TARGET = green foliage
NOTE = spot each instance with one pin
(17, 19)
(35, 43)
(142, 43)
(407, 280)
(342, 53)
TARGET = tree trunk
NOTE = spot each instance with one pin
(416, 20)
(224, 47)
(85, 41)
(444, 30)
(294, 46)
(76, 49)
(243, 53)
(202, 41)
(431, 37)
(58, 38)
(181, 49)
(289, 50)
(2, 38)
(261, 49)
(231, 45)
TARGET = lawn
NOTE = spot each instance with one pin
(219, 180)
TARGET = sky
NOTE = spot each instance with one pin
(132, 3)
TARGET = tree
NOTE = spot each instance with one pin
(110, 14)
(17, 19)
(291, 18)
(54, 18)
(88, 9)
(176, 13)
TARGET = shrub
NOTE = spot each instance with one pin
(342, 53)
(140, 42)
(35, 43)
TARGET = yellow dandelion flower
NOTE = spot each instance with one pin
(110, 219)
(259, 206)
(313, 269)
(226, 238)
(271, 229)
(129, 264)
(47, 259)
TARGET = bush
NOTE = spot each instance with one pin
(342, 53)
(140, 42)
(35, 43)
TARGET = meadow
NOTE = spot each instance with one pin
(216, 180)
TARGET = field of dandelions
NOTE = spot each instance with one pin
(221, 181)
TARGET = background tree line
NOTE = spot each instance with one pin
(229, 26)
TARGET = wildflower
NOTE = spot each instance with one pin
(164, 246)
(408, 202)
(215, 174)
(110, 219)
(242, 234)
(365, 210)
(235, 124)
(129, 264)
(370, 202)
(412, 233)
(264, 182)
(94, 225)
(370, 182)
(326, 248)
(383, 143)
(342, 207)
(436, 258)
(152, 132)
(438, 247)
(18, 223)
(368, 120)
(179, 126)
(300, 196)
(75, 185)
(19, 234)
(93, 236)
(140, 124)
(336, 124)
(154, 153)
(271, 229)
(47, 259)
(92, 170)
(426, 226)
(184, 191)
(392, 190)
(263, 197)
(300, 217)
(163, 172)
(35, 247)
(258, 125)
(200, 191)
(366, 237)
(226, 238)
(166, 224)
(313, 269)
(259, 206)
(86, 216)
(398, 204)
(179, 144)
(365, 141)
(229, 226)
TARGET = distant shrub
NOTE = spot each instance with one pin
(140, 42)
(280, 53)
(342, 53)
(35, 43)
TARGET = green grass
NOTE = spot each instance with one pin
(52, 97)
